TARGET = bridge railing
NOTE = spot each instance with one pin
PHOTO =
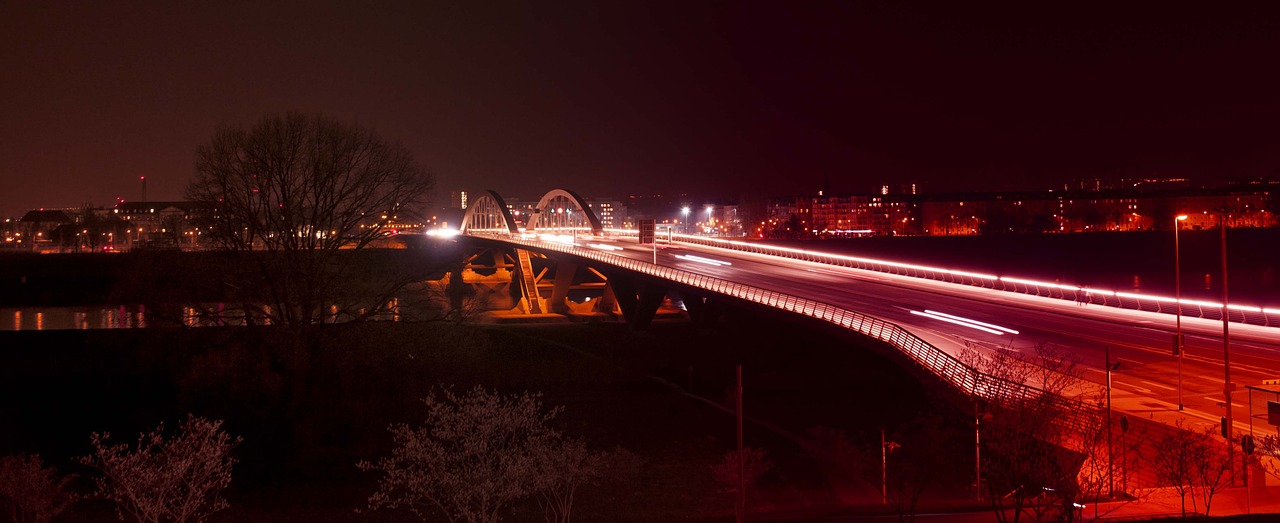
(968, 380)
(1081, 295)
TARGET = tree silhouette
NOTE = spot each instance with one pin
(295, 190)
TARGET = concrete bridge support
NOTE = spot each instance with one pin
(566, 273)
(703, 310)
(638, 298)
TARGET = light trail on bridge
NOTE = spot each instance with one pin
(887, 289)
(1084, 330)
(976, 325)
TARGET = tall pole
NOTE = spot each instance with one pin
(884, 462)
(1111, 487)
(1177, 293)
(1226, 339)
(741, 509)
(977, 449)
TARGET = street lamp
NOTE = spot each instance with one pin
(1111, 484)
(684, 211)
(1177, 297)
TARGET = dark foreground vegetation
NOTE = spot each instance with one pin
(665, 395)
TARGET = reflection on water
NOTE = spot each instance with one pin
(54, 318)
(137, 316)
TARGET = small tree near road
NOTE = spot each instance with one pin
(1194, 463)
(31, 492)
(176, 478)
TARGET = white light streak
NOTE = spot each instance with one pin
(984, 324)
(700, 259)
(957, 322)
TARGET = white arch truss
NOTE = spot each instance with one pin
(488, 214)
(562, 210)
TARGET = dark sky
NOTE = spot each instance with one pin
(614, 98)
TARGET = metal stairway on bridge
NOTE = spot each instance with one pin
(528, 284)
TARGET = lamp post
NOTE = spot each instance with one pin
(1227, 386)
(684, 211)
(1177, 298)
(1111, 485)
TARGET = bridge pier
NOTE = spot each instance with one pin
(566, 272)
(703, 310)
(637, 298)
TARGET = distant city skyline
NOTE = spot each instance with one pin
(640, 98)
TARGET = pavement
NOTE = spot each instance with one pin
(1263, 502)
(1165, 502)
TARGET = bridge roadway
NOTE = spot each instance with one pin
(1145, 384)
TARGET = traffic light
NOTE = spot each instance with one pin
(1224, 427)
(1246, 444)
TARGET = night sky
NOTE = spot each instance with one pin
(615, 98)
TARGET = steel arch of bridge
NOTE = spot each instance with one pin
(488, 214)
(560, 210)
(563, 210)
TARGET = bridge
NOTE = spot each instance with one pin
(931, 317)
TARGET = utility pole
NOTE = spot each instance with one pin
(977, 449)
(1227, 386)
(1111, 484)
(1177, 293)
(884, 464)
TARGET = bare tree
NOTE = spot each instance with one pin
(1211, 465)
(565, 467)
(845, 463)
(296, 190)
(477, 454)
(1194, 462)
(32, 492)
(1026, 434)
(912, 469)
(1268, 449)
(178, 478)
(754, 465)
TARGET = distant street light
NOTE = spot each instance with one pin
(684, 211)
(1177, 297)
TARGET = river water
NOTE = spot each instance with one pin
(135, 316)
